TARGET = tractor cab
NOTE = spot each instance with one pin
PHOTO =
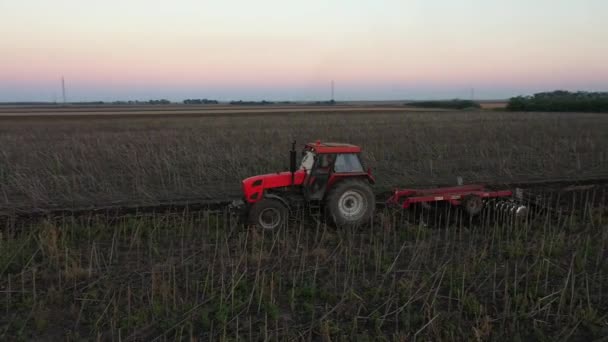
(326, 163)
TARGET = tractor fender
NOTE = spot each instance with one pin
(278, 198)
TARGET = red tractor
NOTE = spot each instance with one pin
(332, 179)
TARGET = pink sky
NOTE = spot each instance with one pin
(232, 50)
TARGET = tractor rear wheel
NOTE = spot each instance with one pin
(351, 203)
(268, 214)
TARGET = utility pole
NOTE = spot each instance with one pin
(63, 89)
(332, 90)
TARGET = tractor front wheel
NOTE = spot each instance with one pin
(268, 214)
(351, 203)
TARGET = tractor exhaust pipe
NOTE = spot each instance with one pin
(292, 161)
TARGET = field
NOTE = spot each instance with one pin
(176, 110)
(76, 162)
(201, 276)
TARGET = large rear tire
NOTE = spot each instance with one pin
(351, 203)
(268, 214)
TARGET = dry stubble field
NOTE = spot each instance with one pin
(71, 162)
(199, 276)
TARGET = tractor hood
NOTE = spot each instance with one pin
(253, 187)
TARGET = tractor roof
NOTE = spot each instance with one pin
(330, 147)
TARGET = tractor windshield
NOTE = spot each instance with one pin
(307, 161)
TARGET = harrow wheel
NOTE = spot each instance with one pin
(472, 205)
(268, 214)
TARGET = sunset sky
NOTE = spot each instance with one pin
(291, 50)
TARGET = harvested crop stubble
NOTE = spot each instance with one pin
(94, 161)
(199, 277)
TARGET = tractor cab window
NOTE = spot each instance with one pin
(308, 161)
(348, 162)
(326, 161)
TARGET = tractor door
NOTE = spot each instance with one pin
(315, 184)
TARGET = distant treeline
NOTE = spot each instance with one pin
(561, 101)
(325, 103)
(130, 102)
(137, 102)
(250, 103)
(259, 103)
(48, 103)
(448, 104)
(200, 101)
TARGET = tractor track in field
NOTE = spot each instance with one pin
(558, 194)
